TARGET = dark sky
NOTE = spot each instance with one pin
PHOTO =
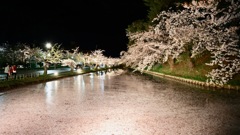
(90, 24)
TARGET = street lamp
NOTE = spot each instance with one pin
(46, 57)
(48, 45)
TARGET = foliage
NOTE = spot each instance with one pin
(56, 55)
(139, 25)
(202, 24)
(11, 53)
(156, 6)
(69, 62)
(52, 55)
(182, 68)
(36, 54)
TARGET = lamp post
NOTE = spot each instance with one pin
(48, 46)
(46, 64)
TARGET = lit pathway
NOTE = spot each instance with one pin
(117, 104)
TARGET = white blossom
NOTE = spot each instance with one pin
(200, 24)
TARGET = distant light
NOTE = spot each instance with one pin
(56, 73)
(79, 70)
(91, 75)
(48, 45)
(1, 49)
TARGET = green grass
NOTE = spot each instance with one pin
(235, 81)
(182, 68)
(197, 72)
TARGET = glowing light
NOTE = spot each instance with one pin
(48, 45)
(56, 73)
(1, 49)
(79, 70)
(91, 75)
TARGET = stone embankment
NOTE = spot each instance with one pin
(195, 82)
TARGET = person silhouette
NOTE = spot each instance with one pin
(6, 71)
(14, 71)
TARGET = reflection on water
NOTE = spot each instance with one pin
(82, 88)
(50, 89)
(119, 102)
(92, 80)
(101, 76)
(80, 83)
(97, 82)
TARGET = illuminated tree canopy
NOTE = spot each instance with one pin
(202, 25)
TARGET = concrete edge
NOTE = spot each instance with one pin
(195, 82)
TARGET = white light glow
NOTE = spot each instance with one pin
(79, 70)
(48, 45)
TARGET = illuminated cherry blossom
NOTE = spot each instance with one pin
(202, 27)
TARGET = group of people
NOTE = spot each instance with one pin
(10, 71)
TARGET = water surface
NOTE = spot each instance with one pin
(119, 103)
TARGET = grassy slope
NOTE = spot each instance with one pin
(198, 72)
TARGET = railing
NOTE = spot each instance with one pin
(19, 76)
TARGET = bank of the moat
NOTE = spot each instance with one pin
(191, 81)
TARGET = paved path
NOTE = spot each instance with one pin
(32, 71)
(117, 103)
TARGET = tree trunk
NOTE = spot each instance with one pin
(96, 66)
(190, 63)
(171, 63)
(45, 70)
(71, 69)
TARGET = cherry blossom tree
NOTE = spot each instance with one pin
(70, 63)
(52, 55)
(71, 58)
(11, 53)
(33, 54)
(71, 54)
(97, 58)
(111, 62)
(202, 25)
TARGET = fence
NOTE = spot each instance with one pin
(19, 76)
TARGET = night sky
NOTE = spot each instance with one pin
(93, 24)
